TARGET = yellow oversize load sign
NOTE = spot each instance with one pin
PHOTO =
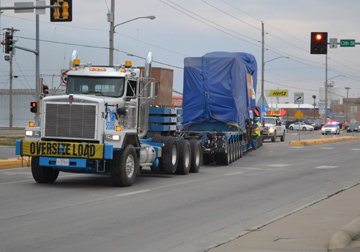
(62, 149)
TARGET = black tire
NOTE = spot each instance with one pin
(304, 128)
(206, 159)
(226, 159)
(241, 149)
(282, 139)
(170, 153)
(124, 167)
(218, 159)
(273, 139)
(237, 150)
(184, 157)
(291, 128)
(43, 174)
(196, 153)
(231, 153)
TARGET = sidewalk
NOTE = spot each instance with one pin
(311, 229)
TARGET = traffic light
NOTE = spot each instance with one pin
(318, 43)
(8, 42)
(62, 14)
(33, 107)
(44, 89)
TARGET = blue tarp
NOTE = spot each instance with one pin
(215, 88)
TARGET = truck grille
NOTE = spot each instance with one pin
(70, 120)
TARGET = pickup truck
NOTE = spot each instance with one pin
(274, 127)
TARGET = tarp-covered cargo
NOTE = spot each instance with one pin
(216, 88)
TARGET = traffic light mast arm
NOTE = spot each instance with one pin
(29, 7)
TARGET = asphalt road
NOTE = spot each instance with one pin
(172, 213)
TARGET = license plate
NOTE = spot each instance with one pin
(61, 161)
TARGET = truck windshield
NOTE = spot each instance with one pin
(104, 86)
(269, 120)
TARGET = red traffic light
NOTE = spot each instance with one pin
(318, 36)
(318, 43)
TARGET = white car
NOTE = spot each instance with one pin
(330, 129)
(300, 126)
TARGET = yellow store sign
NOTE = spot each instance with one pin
(277, 93)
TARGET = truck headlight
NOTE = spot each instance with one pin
(32, 133)
(111, 137)
(271, 129)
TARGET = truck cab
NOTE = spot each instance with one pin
(274, 128)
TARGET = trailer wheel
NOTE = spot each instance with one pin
(241, 150)
(237, 150)
(184, 157)
(43, 174)
(124, 167)
(206, 159)
(226, 157)
(196, 153)
(169, 160)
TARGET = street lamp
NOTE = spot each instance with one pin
(263, 73)
(112, 31)
(314, 97)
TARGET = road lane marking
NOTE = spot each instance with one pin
(234, 173)
(327, 148)
(297, 147)
(279, 165)
(326, 167)
(132, 193)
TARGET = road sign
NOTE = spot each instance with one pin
(282, 112)
(347, 42)
(299, 97)
(333, 43)
(63, 75)
(299, 114)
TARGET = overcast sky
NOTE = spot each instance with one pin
(191, 28)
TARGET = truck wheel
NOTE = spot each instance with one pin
(170, 152)
(196, 153)
(283, 137)
(236, 150)
(43, 174)
(184, 157)
(273, 139)
(124, 167)
(231, 153)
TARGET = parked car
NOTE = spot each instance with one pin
(353, 128)
(300, 126)
(330, 129)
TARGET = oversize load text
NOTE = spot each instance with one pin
(64, 149)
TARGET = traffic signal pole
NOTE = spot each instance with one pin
(326, 88)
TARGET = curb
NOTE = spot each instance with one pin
(323, 141)
(341, 238)
(15, 162)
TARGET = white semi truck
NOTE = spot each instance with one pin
(100, 126)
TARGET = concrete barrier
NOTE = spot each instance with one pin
(15, 162)
(310, 142)
(341, 238)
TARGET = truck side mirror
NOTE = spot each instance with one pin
(121, 111)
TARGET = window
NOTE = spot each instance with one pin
(103, 86)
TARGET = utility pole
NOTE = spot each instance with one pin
(111, 19)
(347, 96)
(326, 88)
(262, 63)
